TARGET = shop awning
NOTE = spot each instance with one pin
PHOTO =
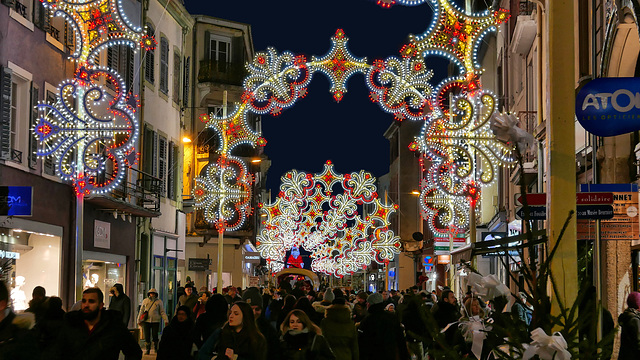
(498, 247)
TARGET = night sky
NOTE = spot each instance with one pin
(316, 128)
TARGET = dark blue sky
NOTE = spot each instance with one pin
(316, 128)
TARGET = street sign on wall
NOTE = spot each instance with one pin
(196, 264)
(535, 213)
(609, 106)
(624, 224)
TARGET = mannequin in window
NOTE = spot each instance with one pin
(18, 298)
(93, 282)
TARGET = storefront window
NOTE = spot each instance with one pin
(103, 275)
(29, 259)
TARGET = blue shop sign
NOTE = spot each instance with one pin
(16, 200)
(609, 106)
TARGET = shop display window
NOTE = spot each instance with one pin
(103, 275)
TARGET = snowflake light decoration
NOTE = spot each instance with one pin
(225, 193)
(98, 132)
(320, 213)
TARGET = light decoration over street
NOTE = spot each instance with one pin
(90, 130)
(338, 218)
(225, 193)
(455, 138)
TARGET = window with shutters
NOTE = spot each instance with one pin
(220, 52)
(164, 65)
(149, 59)
(33, 142)
(216, 110)
(16, 117)
(185, 90)
(176, 78)
(120, 58)
(48, 165)
(172, 173)
(13, 129)
(162, 163)
(40, 15)
(6, 86)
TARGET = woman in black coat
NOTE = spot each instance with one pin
(340, 331)
(629, 320)
(177, 339)
(302, 339)
(214, 317)
(240, 336)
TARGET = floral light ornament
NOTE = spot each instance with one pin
(320, 213)
(225, 193)
(89, 130)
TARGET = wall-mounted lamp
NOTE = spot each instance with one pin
(186, 139)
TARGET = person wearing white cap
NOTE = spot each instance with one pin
(151, 312)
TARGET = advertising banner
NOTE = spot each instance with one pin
(623, 226)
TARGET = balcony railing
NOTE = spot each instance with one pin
(221, 72)
(138, 188)
(16, 156)
(21, 9)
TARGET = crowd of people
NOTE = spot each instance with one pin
(268, 324)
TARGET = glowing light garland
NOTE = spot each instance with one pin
(87, 122)
(309, 212)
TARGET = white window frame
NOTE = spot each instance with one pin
(217, 39)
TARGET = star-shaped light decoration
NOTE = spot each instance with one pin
(321, 214)
(233, 130)
(339, 65)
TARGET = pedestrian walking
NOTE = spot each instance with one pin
(252, 297)
(415, 328)
(360, 307)
(304, 304)
(177, 338)
(213, 318)
(17, 340)
(232, 295)
(37, 302)
(380, 335)
(289, 303)
(49, 326)
(340, 331)
(149, 317)
(302, 339)
(200, 306)
(120, 302)
(445, 313)
(629, 320)
(240, 336)
(327, 300)
(189, 299)
(94, 333)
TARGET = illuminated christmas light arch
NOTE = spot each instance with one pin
(402, 87)
(89, 129)
(320, 213)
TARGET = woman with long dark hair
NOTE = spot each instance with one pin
(289, 303)
(302, 339)
(240, 336)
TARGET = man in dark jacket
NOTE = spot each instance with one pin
(339, 331)
(17, 339)
(232, 295)
(120, 302)
(252, 297)
(445, 313)
(95, 333)
(380, 333)
(189, 299)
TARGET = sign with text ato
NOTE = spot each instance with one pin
(609, 106)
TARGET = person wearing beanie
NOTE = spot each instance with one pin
(327, 299)
(360, 307)
(253, 297)
(629, 320)
(177, 340)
